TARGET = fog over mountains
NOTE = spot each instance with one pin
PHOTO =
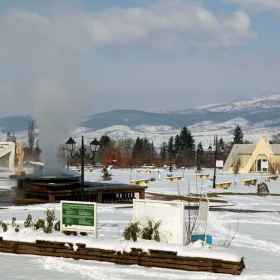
(257, 117)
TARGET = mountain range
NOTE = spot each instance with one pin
(257, 117)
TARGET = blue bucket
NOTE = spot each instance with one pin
(196, 237)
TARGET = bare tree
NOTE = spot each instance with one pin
(274, 167)
(236, 165)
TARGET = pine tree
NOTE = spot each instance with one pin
(177, 149)
(163, 151)
(106, 176)
(170, 151)
(199, 150)
(221, 143)
(238, 135)
(187, 145)
(187, 140)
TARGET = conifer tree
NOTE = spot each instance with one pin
(106, 176)
(170, 151)
(187, 140)
(238, 135)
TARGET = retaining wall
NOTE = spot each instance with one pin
(154, 258)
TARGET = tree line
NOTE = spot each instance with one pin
(179, 150)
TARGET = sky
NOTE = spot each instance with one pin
(85, 57)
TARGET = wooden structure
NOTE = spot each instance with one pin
(223, 185)
(202, 176)
(195, 199)
(153, 258)
(269, 178)
(175, 178)
(53, 189)
(140, 182)
(249, 182)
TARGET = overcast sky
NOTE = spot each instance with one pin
(90, 56)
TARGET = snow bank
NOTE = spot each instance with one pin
(198, 249)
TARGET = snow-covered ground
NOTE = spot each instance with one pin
(257, 239)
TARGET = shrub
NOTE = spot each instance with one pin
(17, 227)
(50, 217)
(150, 231)
(4, 226)
(131, 231)
(230, 237)
(39, 224)
(57, 226)
(262, 189)
(274, 167)
(29, 222)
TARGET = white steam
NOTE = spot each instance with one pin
(59, 109)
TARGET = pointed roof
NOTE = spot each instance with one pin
(263, 148)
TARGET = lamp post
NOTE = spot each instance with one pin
(198, 169)
(215, 159)
(170, 168)
(82, 154)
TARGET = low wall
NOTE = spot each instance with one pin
(154, 258)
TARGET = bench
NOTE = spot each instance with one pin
(175, 178)
(249, 182)
(223, 185)
(269, 178)
(201, 176)
(140, 182)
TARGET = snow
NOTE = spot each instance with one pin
(256, 219)
(196, 249)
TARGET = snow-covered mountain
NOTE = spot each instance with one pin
(256, 116)
(252, 105)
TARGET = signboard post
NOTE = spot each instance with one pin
(78, 216)
(203, 213)
(219, 163)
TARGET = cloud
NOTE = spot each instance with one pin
(24, 32)
(164, 26)
(168, 26)
(258, 5)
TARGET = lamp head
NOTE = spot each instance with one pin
(70, 144)
(94, 145)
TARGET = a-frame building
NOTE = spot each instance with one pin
(254, 158)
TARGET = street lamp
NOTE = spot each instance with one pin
(216, 151)
(82, 154)
(199, 151)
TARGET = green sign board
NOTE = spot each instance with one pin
(77, 214)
